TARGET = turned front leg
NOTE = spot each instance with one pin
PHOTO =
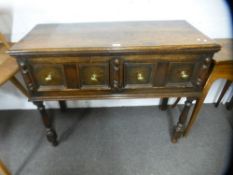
(179, 130)
(50, 131)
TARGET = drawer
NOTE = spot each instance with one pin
(180, 73)
(70, 75)
(116, 74)
(138, 74)
(94, 75)
(48, 75)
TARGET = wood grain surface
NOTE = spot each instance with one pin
(112, 36)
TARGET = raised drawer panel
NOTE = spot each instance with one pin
(138, 74)
(48, 75)
(180, 73)
(92, 75)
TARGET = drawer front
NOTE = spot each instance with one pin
(94, 75)
(114, 75)
(97, 75)
(138, 74)
(48, 75)
(68, 74)
(180, 73)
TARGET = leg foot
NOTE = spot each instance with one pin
(179, 129)
(50, 131)
(52, 136)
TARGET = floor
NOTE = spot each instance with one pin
(116, 141)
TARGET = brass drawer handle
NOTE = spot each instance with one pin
(94, 77)
(184, 75)
(140, 77)
(48, 77)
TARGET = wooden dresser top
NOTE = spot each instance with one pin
(112, 36)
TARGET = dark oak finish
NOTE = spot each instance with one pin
(114, 60)
(50, 131)
(133, 74)
(138, 74)
(179, 129)
(115, 37)
(94, 75)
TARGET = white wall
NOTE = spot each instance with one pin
(17, 17)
